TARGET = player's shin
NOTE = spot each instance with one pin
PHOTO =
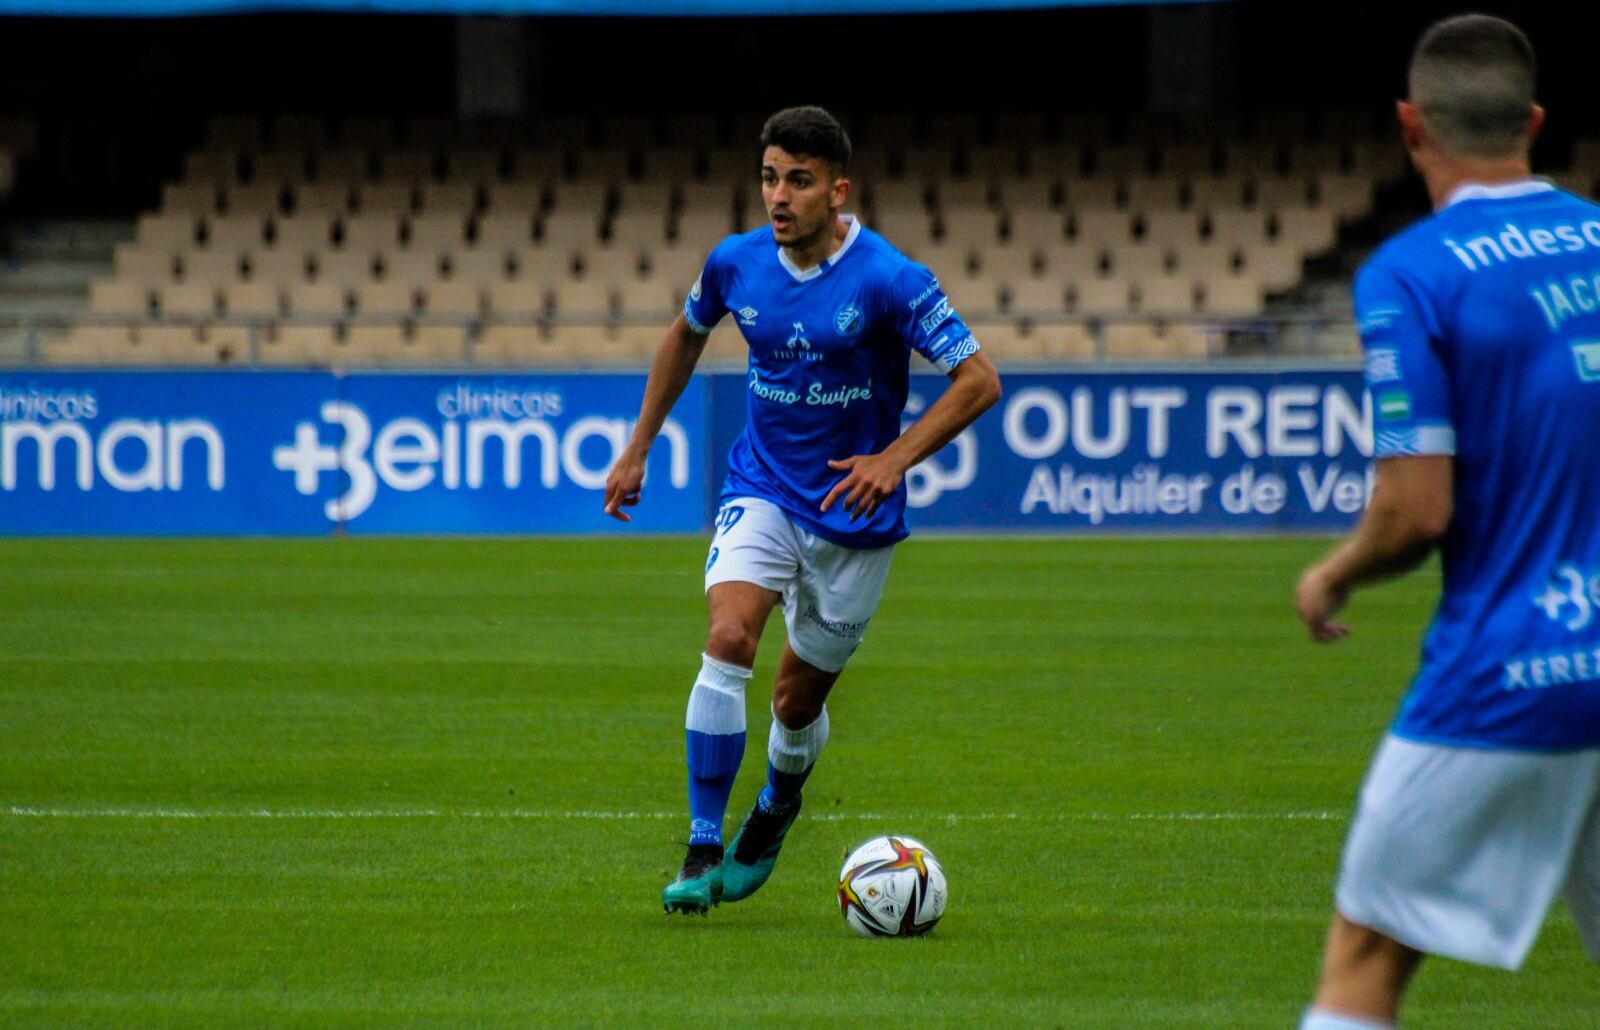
(715, 730)
(791, 753)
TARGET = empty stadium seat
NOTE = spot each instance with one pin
(1236, 296)
(440, 230)
(614, 265)
(1170, 295)
(1036, 229)
(332, 197)
(281, 265)
(504, 230)
(214, 269)
(385, 198)
(303, 232)
(176, 230)
(459, 298)
(570, 228)
(1313, 230)
(1102, 297)
(1038, 298)
(635, 229)
(386, 299)
(479, 266)
(517, 299)
(114, 298)
(455, 197)
(1147, 194)
(1082, 195)
(1070, 262)
(144, 266)
(583, 301)
(1009, 264)
(358, 346)
(1276, 266)
(371, 232)
(1101, 227)
(345, 267)
(322, 299)
(971, 227)
(295, 345)
(415, 268)
(261, 199)
(253, 300)
(1140, 261)
(543, 264)
(1172, 227)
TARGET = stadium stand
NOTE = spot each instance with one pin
(301, 241)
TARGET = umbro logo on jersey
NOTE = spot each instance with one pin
(747, 315)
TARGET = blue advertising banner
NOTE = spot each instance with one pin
(297, 453)
(310, 453)
(1120, 451)
(1220, 451)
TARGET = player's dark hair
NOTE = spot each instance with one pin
(808, 132)
(1473, 77)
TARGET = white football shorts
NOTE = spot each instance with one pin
(830, 592)
(1460, 851)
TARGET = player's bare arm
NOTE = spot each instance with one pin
(1411, 508)
(974, 388)
(669, 374)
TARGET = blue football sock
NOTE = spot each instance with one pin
(782, 788)
(714, 745)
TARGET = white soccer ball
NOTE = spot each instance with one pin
(892, 887)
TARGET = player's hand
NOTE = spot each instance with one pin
(624, 485)
(1317, 601)
(872, 479)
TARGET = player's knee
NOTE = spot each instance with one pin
(794, 707)
(732, 640)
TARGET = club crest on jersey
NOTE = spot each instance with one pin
(848, 320)
(1587, 354)
(747, 315)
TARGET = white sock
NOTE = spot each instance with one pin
(716, 704)
(1320, 1019)
(794, 751)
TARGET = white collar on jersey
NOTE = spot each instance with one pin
(1504, 191)
(807, 274)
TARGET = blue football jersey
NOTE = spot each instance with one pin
(1481, 327)
(830, 351)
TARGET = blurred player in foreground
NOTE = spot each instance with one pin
(815, 497)
(1481, 327)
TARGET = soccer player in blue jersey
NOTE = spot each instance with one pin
(815, 498)
(1481, 326)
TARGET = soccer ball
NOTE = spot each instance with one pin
(892, 887)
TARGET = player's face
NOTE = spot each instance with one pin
(802, 194)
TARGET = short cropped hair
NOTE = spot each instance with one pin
(1472, 77)
(808, 132)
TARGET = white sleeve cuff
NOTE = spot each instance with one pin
(694, 323)
(1436, 440)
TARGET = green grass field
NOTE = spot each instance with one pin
(398, 782)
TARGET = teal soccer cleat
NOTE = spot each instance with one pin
(698, 886)
(754, 850)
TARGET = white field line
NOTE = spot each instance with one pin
(596, 815)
